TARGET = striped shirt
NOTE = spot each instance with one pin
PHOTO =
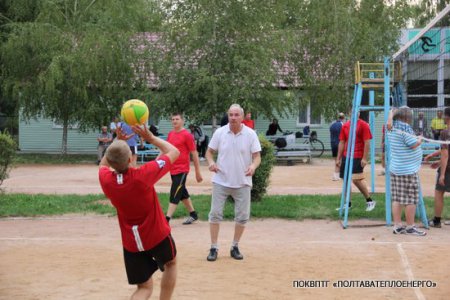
(404, 160)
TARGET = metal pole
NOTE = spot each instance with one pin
(372, 129)
(387, 96)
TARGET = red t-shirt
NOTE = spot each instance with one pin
(362, 134)
(185, 143)
(141, 219)
(249, 123)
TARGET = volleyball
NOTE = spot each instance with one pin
(134, 112)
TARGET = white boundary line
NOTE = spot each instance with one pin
(62, 239)
(408, 271)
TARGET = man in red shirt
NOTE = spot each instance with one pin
(248, 121)
(183, 140)
(362, 144)
(147, 242)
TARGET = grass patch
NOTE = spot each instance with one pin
(38, 158)
(291, 207)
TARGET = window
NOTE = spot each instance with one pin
(418, 102)
(308, 116)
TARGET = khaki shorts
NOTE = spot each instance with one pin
(241, 197)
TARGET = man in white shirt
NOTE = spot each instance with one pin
(239, 154)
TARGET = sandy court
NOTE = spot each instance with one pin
(79, 257)
(314, 178)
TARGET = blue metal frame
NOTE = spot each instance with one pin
(372, 141)
(346, 187)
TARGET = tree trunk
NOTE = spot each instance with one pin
(64, 137)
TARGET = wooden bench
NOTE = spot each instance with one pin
(294, 152)
(149, 151)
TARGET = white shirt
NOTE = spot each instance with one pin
(234, 155)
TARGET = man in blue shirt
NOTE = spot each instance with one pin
(335, 130)
(132, 140)
(406, 158)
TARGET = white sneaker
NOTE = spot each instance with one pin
(202, 159)
(335, 177)
(371, 205)
(382, 173)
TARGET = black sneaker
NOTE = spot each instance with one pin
(399, 230)
(434, 223)
(234, 252)
(212, 256)
(415, 231)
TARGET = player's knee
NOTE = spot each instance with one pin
(171, 264)
(242, 219)
(146, 285)
(174, 201)
(215, 217)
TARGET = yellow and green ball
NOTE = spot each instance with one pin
(134, 112)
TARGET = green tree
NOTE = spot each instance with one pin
(217, 53)
(76, 61)
(326, 39)
(7, 154)
(426, 10)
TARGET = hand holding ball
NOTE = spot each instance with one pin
(134, 112)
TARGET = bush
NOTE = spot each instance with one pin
(262, 174)
(7, 153)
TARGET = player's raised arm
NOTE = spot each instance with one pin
(165, 147)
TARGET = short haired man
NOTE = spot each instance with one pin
(248, 121)
(406, 159)
(184, 142)
(437, 125)
(131, 138)
(361, 150)
(443, 172)
(238, 157)
(104, 140)
(335, 130)
(147, 242)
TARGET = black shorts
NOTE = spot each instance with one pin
(133, 149)
(140, 266)
(178, 190)
(357, 169)
(334, 150)
(446, 187)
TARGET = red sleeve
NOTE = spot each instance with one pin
(155, 169)
(190, 142)
(367, 135)
(342, 134)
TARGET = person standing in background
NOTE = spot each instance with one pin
(437, 125)
(248, 121)
(335, 131)
(104, 140)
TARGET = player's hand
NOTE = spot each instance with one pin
(198, 177)
(143, 132)
(427, 158)
(122, 136)
(213, 168)
(442, 178)
(419, 139)
(250, 170)
(363, 163)
(338, 163)
(435, 165)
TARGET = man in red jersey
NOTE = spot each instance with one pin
(362, 144)
(147, 242)
(183, 140)
(248, 121)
